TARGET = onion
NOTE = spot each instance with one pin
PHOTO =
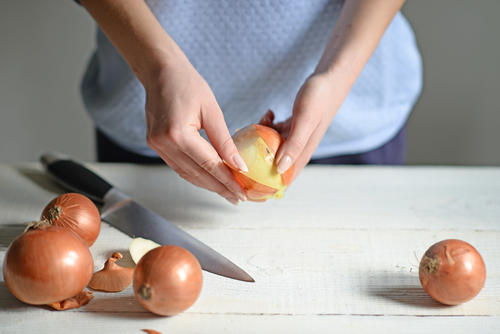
(167, 280)
(140, 246)
(47, 264)
(76, 212)
(257, 145)
(452, 272)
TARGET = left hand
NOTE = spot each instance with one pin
(313, 111)
(356, 34)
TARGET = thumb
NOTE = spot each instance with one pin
(215, 126)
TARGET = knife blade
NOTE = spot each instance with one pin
(122, 212)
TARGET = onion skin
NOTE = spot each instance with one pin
(151, 331)
(76, 212)
(112, 278)
(47, 264)
(167, 280)
(452, 272)
(262, 181)
(255, 191)
(83, 298)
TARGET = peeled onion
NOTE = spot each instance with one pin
(47, 264)
(452, 272)
(167, 280)
(257, 145)
(76, 212)
(140, 246)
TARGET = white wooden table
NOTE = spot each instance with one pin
(339, 253)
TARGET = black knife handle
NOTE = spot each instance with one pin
(75, 177)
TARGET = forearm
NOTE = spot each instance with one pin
(356, 35)
(137, 35)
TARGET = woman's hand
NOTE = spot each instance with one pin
(179, 103)
(356, 34)
(314, 108)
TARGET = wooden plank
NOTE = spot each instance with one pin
(341, 197)
(318, 272)
(111, 322)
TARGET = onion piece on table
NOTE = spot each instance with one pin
(113, 277)
(83, 298)
(140, 246)
(151, 331)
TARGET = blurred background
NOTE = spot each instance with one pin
(45, 45)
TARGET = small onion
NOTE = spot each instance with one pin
(452, 272)
(76, 212)
(167, 280)
(257, 145)
(47, 264)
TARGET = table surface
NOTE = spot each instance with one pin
(339, 252)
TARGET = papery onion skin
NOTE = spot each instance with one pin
(113, 277)
(81, 299)
(167, 280)
(257, 145)
(452, 272)
(77, 212)
(47, 264)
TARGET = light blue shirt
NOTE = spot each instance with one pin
(255, 55)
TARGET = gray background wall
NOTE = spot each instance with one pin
(44, 46)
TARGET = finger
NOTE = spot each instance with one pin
(204, 156)
(190, 171)
(308, 151)
(303, 125)
(284, 127)
(214, 125)
(267, 119)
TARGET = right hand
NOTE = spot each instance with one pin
(179, 103)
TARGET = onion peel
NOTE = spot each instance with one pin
(113, 277)
(83, 298)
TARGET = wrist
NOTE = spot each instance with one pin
(155, 65)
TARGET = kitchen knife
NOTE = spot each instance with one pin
(122, 212)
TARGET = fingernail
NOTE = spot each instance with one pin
(284, 164)
(240, 163)
(242, 197)
(278, 156)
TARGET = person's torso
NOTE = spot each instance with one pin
(255, 55)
